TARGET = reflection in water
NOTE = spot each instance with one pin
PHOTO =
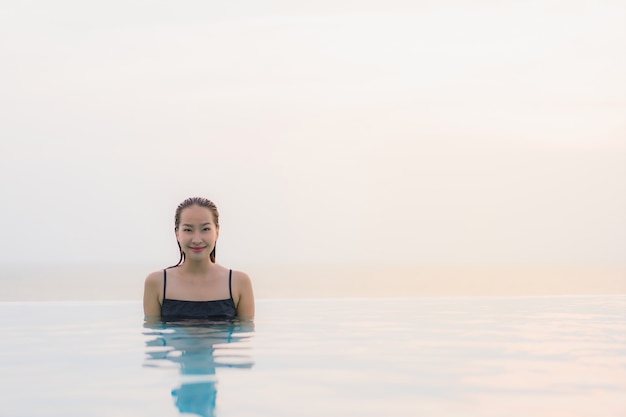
(198, 348)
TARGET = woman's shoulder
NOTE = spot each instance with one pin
(241, 281)
(235, 274)
(239, 275)
(155, 278)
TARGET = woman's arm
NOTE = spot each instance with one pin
(151, 296)
(244, 296)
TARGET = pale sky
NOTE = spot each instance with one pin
(338, 131)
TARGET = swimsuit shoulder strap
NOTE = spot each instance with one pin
(230, 283)
(164, 282)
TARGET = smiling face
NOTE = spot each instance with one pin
(197, 232)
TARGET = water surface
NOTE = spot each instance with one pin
(513, 356)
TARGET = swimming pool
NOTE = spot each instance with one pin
(513, 356)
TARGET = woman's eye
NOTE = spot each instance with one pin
(206, 229)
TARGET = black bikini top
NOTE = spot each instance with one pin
(214, 310)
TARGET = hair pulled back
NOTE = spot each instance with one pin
(200, 202)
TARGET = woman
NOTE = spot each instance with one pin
(197, 287)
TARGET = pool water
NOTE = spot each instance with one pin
(500, 356)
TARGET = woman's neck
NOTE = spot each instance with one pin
(197, 267)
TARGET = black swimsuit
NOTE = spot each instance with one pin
(218, 310)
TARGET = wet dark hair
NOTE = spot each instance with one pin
(200, 202)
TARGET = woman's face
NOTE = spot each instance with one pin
(197, 232)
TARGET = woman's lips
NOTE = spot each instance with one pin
(197, 249)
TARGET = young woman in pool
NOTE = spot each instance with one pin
(197, 287)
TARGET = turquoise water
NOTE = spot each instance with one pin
(516, 356)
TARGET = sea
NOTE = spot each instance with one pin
(367, 355)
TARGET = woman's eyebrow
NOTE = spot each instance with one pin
(191, 225)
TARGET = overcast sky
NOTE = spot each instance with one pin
(355, 131)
